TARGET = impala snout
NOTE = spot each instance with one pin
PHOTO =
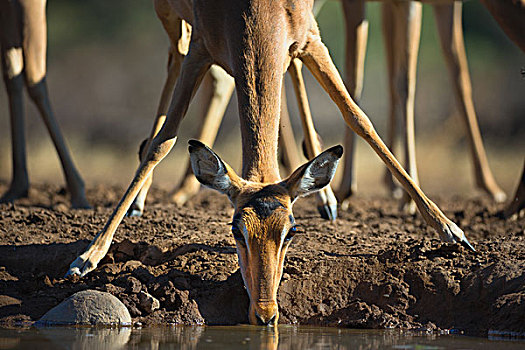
(264, 313)
(261, 262)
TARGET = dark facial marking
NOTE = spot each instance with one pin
(236, 219)
(264, 206)
(263, 202)
(236, 231)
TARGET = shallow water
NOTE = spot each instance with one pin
(238, 337)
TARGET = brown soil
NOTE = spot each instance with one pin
(373, 268)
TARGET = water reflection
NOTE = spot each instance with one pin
(87, 338)
(239, 337)
(190, 338)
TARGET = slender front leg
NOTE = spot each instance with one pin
(326, 201)
(318, 60)
(193, 69)
(218, 91)
(448, 19)
(356, 39)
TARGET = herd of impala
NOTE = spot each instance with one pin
(256, 42)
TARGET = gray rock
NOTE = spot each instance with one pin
(88, 307)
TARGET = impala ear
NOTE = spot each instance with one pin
(315, 174)
(211, 171)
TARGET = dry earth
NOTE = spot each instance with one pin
(373, 268)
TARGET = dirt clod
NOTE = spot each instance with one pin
(148, 303)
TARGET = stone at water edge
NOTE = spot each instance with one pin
(88, 307)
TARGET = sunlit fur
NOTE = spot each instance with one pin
(263, 214)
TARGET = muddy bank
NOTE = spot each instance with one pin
(373, 268)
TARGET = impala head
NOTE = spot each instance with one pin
(263, 223)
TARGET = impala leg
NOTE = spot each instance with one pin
(219, 88)
(75, 184)
(356, 40)
(12, 68)
(35, 40)
(448, 19)
(326, 200)
(517, 205)
(318, 60)
(193, 69)
(19, 186)
(287, 144)
(392, 128)
(407, 28)
(179, 34)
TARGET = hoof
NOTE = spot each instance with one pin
(467, 244)
(80, 203)
(397, 192)
(134, 212)
(12, 195)
(328, 212)
(80, 267)
(136, 209)
(492, 189)
(408, 206)
(345, 204)
(344, 197)
(499, 197)
(452, 233)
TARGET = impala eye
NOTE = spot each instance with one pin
(291, 233)
(237, 234)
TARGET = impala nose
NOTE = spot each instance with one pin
(265, 312)
(265, 321)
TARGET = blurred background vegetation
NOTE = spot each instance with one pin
(106, 67)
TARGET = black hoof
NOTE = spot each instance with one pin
(328, 212)
(134, 212)
(465, 243)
